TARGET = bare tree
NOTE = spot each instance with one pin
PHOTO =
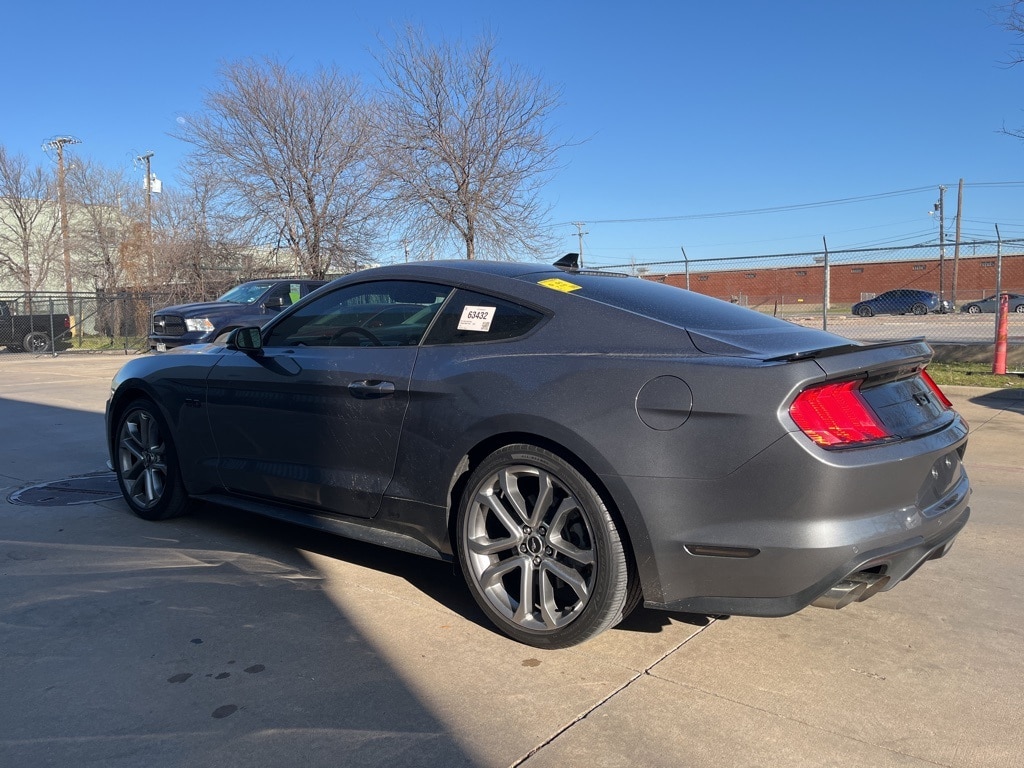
(468, 146)
(291, 152)
(29, 225)
(107, 225)
(201, 250)
(1010, 16)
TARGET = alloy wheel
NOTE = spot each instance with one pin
(141, 458)
(531, 548)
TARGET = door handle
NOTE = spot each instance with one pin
(370, 390)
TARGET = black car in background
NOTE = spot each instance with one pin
(577, 442)
(251, 303)
(902, 301)
(34, 332)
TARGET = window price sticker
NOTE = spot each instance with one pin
(476, 318)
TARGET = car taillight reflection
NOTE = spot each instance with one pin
(836, 415)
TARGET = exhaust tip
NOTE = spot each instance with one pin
(855, 588)
(874, 583)
(841, 595)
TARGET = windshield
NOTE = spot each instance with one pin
(246, 293)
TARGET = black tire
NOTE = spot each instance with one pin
(36, 342)
(866, 312)
(973, 309)
(919, 309)
(1019, 309)
(146, 463)
(530, 522)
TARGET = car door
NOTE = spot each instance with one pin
(316, 419)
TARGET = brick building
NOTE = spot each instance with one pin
(851, 282)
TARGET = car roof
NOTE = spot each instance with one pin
(499, 268)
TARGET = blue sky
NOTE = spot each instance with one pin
(688, 109)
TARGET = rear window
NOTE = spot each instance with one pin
(666, 303)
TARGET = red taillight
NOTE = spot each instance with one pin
(836, 415)
(935, 388)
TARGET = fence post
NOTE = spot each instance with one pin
(825, 288)
(53, 334)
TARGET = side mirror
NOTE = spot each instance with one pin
(248, 340)
(275, 302)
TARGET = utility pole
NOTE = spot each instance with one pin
(939, 206)
(956, 245)
(58, 143)
(145, 159)
(580, 233)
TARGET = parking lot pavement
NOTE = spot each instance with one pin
(223, 640)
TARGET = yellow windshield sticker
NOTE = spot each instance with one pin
(558, 284)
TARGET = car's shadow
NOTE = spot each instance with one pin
(439, 580)
(1002, 400)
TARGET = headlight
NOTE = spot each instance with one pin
(198, 324)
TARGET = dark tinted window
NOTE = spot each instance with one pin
(470, 317)
(666, 303)
(384, 312)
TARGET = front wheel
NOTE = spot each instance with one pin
(973, 309)
(1019, 309)
(147, 465)
(919, 309)
(540, 551)
(36, 342)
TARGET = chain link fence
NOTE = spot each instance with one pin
(826, 289)
(52, 323)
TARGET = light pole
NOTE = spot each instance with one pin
(145, 159)
(58, 143)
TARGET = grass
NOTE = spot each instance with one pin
(972, 375)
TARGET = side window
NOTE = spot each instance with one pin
(288, 293)
(308, 288)
(471, 317)
(386, 313)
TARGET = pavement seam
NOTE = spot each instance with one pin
(646, 671)
(778, 716)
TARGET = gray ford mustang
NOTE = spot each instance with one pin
(577, 442)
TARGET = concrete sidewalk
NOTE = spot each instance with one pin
(224, 640)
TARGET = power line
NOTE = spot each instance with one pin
(793, 207)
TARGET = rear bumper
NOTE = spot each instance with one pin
(894, 563)
(778, 533)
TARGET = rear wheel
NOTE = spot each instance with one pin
(540, 551)
(36, 341)
(919, 309)
(865, 311)
(147, 465)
